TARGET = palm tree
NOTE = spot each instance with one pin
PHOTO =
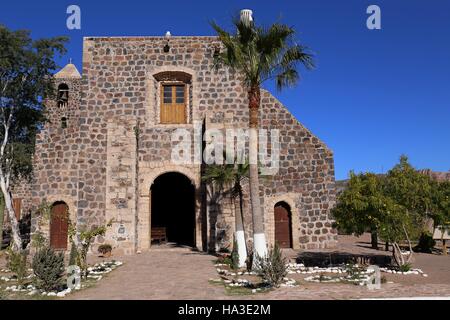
(259, 54)
(228, 179)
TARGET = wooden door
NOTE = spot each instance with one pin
(173, 103)
(282, 226)
(59, 226)
(17, 205)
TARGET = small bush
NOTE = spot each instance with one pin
(17, 263)
(104, 248)
(426, 243)
(48, 268)
(73, 255)
(405, 267)
(235, 256)
(38, 240)
(272, 267)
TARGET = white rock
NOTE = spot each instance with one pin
(51, 294)
(61, 294)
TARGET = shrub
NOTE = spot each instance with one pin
(405, 267)
(73, 254)
(48, 268)
(272, 267)
(17, 263)
(104, 248)
(38, 240)
(426, 243)
(235, 256)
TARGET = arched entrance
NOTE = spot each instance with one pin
(59, 224)
(283, 225)
(173, 208)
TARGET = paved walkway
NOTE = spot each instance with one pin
(176, 273)
(182, 274)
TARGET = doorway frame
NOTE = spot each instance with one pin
(149, 173)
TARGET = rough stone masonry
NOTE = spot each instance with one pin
(105, 146)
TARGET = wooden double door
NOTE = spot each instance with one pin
(59, 226)
(283, 231)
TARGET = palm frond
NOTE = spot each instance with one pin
(260, 54)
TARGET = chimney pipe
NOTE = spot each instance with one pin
(246, 16)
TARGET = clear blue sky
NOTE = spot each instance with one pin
(375, 93)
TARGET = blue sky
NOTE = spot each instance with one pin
(374, 95)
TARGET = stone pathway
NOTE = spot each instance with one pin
(180, 273)
(176, 273)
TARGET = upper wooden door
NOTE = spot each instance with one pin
(173, 103)
(17, 205)
(282, 226)
(59, 226)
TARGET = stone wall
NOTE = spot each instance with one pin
(104, 163)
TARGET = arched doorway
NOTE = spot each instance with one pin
(283, 225)
(59, 225)
(173, 208)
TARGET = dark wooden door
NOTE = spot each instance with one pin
(17, 205)
(59, 226)
(282, 226)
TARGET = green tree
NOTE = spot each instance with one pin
(440, 210)
(410, 188)
(360, 207)
(259, 54)
(228, 180)
(26, 67)
(393, 206)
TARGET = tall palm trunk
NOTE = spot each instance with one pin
(240, 233)
(259, 237)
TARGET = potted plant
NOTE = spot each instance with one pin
(105, 250)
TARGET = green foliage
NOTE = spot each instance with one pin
(235, 256)
(361, 206)
(426, 243)
(38, 240)
(17, 263)
(73, 254)
(272, 267)
(85, 237)
(404, 267)
(26, 66)
(440, 204)
(104, 248)
(395, 206)
(48, 267)
(260, 53)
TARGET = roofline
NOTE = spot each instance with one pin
(132, 38)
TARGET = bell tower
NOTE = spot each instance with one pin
(63, 110)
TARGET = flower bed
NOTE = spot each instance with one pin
(237, 279)
(95, 273)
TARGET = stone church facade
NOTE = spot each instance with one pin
(106, 151)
